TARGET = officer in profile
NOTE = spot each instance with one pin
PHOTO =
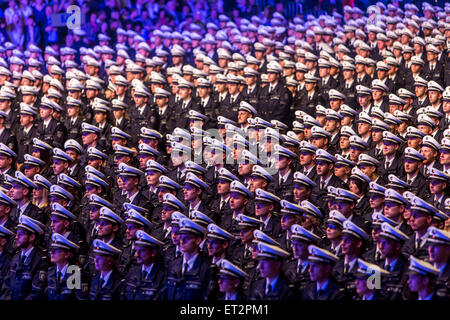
(29, 265)
(146, 280)
(230, 279)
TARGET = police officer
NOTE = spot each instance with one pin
(107, 284)
(273, 285)
(134, 223)
(62, 255)
(190, 277)
(438, 251)
(147, 279)
(29, 265)
(230, 279)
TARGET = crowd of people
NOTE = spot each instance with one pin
(271, 160)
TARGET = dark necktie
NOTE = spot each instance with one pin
(145, 274)
(388, 267)
(222, 204)
(269, 289)
(186, 267)
(418, 243)
(346, 268)
(409, 181)
(22, 259)
(320, 292)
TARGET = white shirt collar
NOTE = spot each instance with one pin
(106, 278)
(63, 270)
(190, 262)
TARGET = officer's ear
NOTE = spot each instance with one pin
(64, 203)
(32, 237)
(245, 201)
(429, 219)
(10, 160)
(225, 244)
(66, 223)
(3, 242)
(66, 165)
(115, 228)
(264, 184)
(359, 244)
(198, 240)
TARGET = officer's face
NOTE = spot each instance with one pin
(245, 169)
(306, 158)
(411, 166)
(23, 239)
(363, 128)
(287, 221)
(301, 192)
(434, 96)
(243, 116)
(273, 77)
(58, 225)
(353, 187)
(416, 282)
(446, 106)
(129, 183)
(414, 143)
(361, 286)
(45, 112)
(99, 117)
(189, 243)
(223, 187)
(318, 141)
(376, 201)
(300, 249)
(438, 253)
(350, 245)
(94, 213)
(388, 247)
(152, 177)
(190, 192)
(377, 135)
(437, 186)
(166, 213)
(216, 247)
(393, 210)
(256, 183)
(131, 231)
(250, 81)
(184, 93)
(429, 154)
(59, 256)
(18, 191)
(88, 138)
(364, 100)
(145, 254)
(323, 168)
(140, 100)
(262, 208)
(228, 284)
(237, 201)
(269, 267)
(444, 157)
(419, 221)
(59, 166)
(344, 143)
(246, 235)
(318, 271)
(25, 120)
(333, 232)
(389, 148)
(105, 228)
(175, 236)
(103, 263)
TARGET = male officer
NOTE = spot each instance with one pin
(265, 204)
(147, 279)
(297, 269)
(421, 279)
(274, 285)
(190, 277)
(5, 257)
(21, 193)
(50, 130)
(230, 279)
(29, 265)
(365, 289)
(353, 244)
(439, 254)
(135, 221)
(421, 217)
(323, 285)
(275, 99)
(390, 243)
